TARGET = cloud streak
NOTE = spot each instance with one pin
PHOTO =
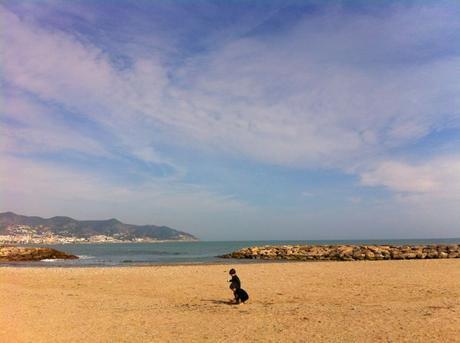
(319, 95)
(435, 178)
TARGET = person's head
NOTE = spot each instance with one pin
(232, 271)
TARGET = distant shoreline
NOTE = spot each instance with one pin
(20, 229)
(98, 243)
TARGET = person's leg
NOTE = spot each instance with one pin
(233, 293)
(243, 295)
(237, 298)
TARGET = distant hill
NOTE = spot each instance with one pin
(66, 226)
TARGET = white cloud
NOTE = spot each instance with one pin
(308, 194)
(439, 177)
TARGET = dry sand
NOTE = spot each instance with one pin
(394, 301)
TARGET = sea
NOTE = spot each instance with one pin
(197, 252)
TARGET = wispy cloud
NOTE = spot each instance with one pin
(324, 93)
(321, 93)
(438, 177)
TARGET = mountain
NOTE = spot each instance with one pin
(66, 226)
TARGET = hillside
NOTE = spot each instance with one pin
(11, 223)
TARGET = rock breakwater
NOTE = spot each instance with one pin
(347, 252)
(11, 253)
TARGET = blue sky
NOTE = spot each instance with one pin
(235, 119)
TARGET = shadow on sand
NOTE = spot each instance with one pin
(219, 302)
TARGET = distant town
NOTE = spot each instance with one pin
(25, 234)
(21, 229)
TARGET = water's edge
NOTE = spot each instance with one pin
(183, 253)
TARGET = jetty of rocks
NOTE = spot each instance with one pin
(13, 253)
(347, 252)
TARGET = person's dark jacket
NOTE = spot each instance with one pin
(235, 282)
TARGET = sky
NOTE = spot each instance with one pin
(235, 120)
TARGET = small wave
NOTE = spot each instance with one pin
(85, 257)
(150, 252)
(137, 261)
(49, 260)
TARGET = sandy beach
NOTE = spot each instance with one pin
(390, 301)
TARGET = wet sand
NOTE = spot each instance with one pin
(390, 301)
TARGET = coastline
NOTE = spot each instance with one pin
(400, 300)
(220, 262)
(205, 252)
(97, 242)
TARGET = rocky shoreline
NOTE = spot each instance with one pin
(12, 254)
(347, 252)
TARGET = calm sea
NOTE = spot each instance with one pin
(184, 252)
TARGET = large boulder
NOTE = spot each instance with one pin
(9, 254)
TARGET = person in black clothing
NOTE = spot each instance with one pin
(235, 282)
(235, 285)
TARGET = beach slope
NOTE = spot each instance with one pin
(415, 300)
